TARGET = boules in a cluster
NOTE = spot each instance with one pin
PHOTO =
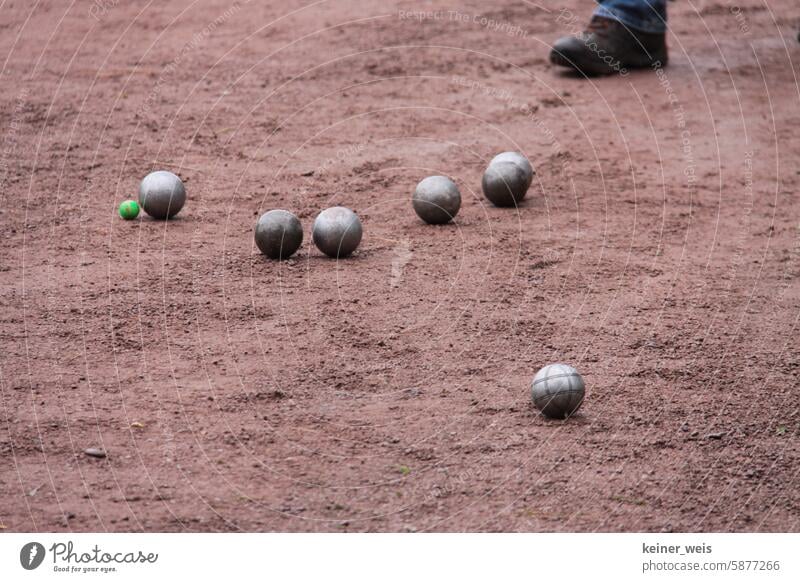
(278, 234)
(337, 232)
(557, 390)
(507, 179)
(518, 159)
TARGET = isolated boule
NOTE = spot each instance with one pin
(558, 390)
(162, 194)
(337, 231)
(520, 160)
(278, 234)
(436, 200)
(504, 184)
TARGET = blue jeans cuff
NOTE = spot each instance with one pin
(654, 24)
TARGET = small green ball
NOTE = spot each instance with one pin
(129, 209)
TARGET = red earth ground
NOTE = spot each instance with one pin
(658, 251)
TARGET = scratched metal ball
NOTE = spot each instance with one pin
(337, 231)
(557, 390)
(278, 234)
(162, 194)
(436, 200)
(520, 160)
(504, 184)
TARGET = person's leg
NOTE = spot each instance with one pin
(622, 35)
(645, 15)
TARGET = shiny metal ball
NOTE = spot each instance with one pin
(278, 234)
(436, 200)
(558, 390)
(504, 184)
(337, 231)
(520, 160)
(162, 194)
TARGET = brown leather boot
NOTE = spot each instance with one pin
(608, 47)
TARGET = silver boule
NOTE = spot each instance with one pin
(436, 200)
(337, 231)
(558, 390)
(278, 234)
(504, 184)
(520, 160)
(162, 194)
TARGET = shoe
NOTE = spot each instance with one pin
(608, 47)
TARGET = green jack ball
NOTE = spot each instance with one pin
(129, 209)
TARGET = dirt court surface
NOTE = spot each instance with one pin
(658, 251)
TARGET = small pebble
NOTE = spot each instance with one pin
(97, 453)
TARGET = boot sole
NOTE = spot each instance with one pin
(590, 69)
(595, 69)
